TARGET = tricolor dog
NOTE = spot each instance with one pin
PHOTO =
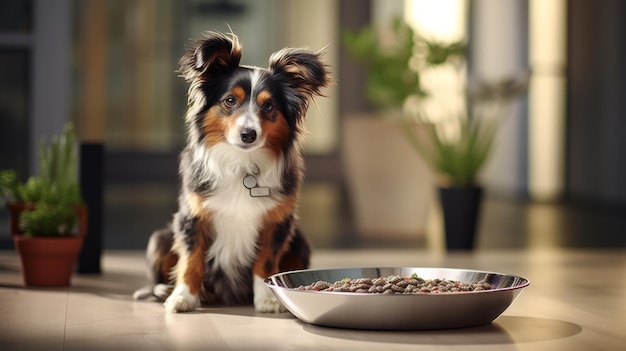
(241, 172)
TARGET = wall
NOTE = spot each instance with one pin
(596, 148)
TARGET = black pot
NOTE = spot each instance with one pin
(461, 208)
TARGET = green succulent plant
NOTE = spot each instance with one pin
(53, 195)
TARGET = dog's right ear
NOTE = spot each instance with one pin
(215, 54)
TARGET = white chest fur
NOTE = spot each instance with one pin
(236, 215)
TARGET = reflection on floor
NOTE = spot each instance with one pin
(133, 211)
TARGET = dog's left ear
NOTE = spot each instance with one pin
(303, 72)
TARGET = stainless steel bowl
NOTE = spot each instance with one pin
(396, 312)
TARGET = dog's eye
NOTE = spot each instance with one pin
(230, 102)
(268, 106)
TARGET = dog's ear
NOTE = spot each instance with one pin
(303, 72)
(215, 54)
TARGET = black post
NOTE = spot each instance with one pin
(461, 210)
(91, 185)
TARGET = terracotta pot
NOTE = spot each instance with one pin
(47, 261)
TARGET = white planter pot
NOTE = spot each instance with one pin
(390, 186)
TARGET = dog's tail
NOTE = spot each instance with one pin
(161, 259)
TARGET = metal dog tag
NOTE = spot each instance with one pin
(260, 191)
(249, 181)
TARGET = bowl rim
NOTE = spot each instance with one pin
(269, 281)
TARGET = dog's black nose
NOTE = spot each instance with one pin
(248, 135)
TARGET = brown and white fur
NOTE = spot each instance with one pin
(223, 242)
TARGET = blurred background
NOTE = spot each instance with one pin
(555, 177)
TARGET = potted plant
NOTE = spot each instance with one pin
(457, 141)
(457, 148)
(390, 189)
(48, 219)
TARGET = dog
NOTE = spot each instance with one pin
(241, 171)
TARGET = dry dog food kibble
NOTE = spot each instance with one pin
(395, 284)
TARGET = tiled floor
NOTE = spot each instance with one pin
(97, 312)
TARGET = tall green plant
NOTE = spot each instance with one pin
(392, 72)
(54, 193)
(389, 80)
(393, 76)
(458, 160)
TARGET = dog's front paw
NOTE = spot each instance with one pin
(181, 300)
(269, 305)
(264, 300)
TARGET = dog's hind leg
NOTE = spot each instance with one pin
(161, 260)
